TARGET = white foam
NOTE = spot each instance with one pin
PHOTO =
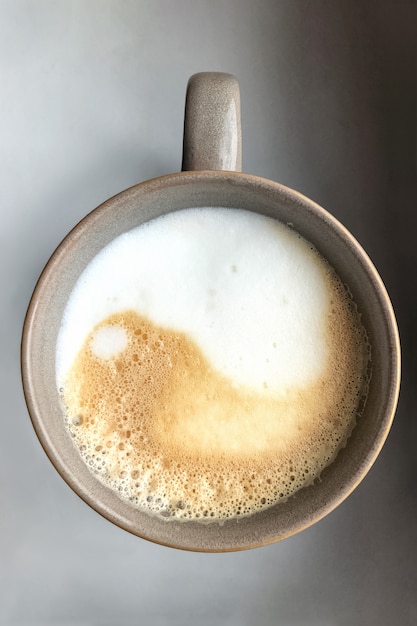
(248, 290)
(108, 341)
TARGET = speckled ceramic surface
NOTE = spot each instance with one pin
(212, 126)
(212, 188)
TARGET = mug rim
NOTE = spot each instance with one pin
(180, 179)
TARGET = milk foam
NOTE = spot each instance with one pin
(211, 363)
(202, 271)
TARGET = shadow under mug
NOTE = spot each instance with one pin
(211, 177)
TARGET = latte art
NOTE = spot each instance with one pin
(211, 364)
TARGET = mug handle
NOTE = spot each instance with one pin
(212, 124)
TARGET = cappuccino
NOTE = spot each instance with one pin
(210, 363)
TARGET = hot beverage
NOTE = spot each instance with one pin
(210, 364)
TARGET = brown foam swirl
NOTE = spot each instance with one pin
(164, 429)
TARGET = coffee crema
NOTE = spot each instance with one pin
(211, 364)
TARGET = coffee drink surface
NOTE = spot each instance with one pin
(210, 364)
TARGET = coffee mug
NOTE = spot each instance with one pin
(210, 178)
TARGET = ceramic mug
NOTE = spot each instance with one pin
(211, 177)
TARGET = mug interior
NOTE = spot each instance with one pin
(217, 189)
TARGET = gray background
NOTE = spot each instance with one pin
(91, 102)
